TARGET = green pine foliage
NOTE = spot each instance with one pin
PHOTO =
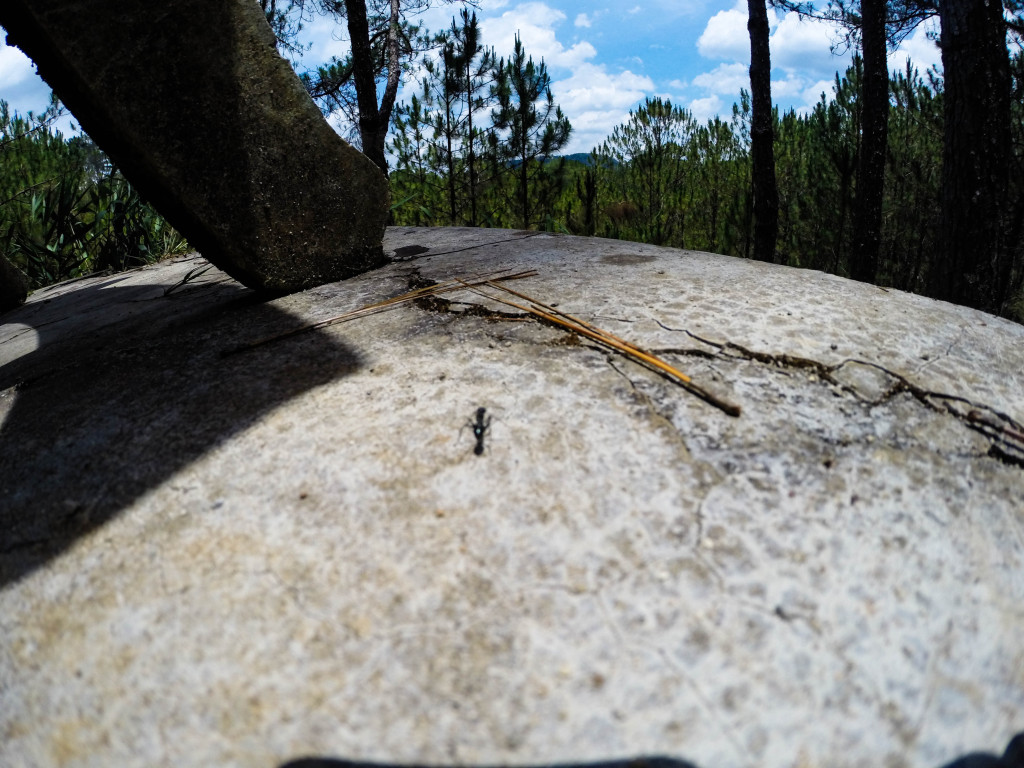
(65, 211)
(476, 146)
(529, 128)
(441, 136)
(661, 177)
(648, 164)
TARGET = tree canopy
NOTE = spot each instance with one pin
(906, 179)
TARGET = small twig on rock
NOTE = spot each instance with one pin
(192, 274)
(550, 314)
(379, 306)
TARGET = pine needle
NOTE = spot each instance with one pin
(380, 306)
(553, 315)
(539, 309)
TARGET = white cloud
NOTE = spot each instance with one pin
(582, 20)
(15, 67)
(326, 41)
(705, 109)
(801, 93)
(922, 52)
(725, 79)
(725, 36)
(24, 91)
(792, 87)
(812, 93)
(535, 24)
(803, 64)
(595, 101)
(798, 43)
(591, 128)
(634, 10)
(679, 85)
(593, 87)
(438, 17)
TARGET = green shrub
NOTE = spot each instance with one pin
(65, 211)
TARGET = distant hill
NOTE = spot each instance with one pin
(580, 157)
(583, 158)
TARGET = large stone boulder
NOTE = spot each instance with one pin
(13, 286)
(217, 551)
(193, 103)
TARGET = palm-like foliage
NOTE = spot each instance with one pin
(64, 211)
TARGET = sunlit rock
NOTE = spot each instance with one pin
(240, 533)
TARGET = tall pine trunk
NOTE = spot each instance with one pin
(766, 194)
(374, 120)
(975, 262)
(867, 217)
(524, 186)
(470, 154)
(370, 132)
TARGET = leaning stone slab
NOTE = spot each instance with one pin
(191, 100)
(13, 286)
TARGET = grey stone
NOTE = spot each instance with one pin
(191, 100)
(240, 559)
(13, 286)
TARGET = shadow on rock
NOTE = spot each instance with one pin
(640, 762)
(93, 428)
(1013, 757)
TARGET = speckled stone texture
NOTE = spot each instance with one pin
(192, 102)
(244, 559)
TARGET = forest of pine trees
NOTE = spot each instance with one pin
(477, 145)
(478, 142)
(663, 178)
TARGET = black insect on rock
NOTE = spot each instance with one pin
(480, 427)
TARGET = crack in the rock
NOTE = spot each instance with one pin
(929, 361)
(700, 524)
(436, 304)
(441, 305)
(1004, 433)
(652, 406)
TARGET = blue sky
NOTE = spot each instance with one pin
(605, 58)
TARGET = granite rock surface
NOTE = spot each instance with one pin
(219, 548)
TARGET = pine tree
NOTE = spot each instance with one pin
(457, 89)
(530, 128)
(977, 259)
(867, 224)
(414, 180)
(647, 161)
